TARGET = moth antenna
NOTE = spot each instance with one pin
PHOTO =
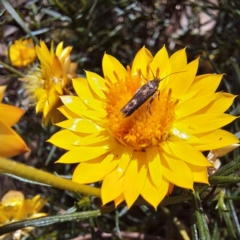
(143, 76)
(171, 74)
(151, 71)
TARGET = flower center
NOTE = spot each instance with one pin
(152, 120)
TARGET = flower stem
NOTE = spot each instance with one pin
(12, 69)
(229, 168)
(30, 173)
(200, 217)
(45, 221)
(223, 179)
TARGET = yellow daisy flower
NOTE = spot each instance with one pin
(11, 144)
(51, 80)
(14, 207)
(22, 52)
(156, 147)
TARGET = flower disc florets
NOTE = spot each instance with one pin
(151, 122)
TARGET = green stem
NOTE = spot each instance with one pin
(223, 180)
(194, 231)
(175, 200)
(34, 174)
(200, 217)
(12, 69)
(50, 155)
(228, 169)
(45, 221)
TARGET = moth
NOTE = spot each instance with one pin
(147, 91)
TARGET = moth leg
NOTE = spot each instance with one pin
(150, 102)
(158, 95)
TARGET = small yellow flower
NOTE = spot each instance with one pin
(14, 207)
(22, 52)
(11, 144)
(156, 147)
(51, 80)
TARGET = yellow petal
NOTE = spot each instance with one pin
(154, 166)
(80, 125)
(67, 113)
(11, 144)
(43, 53)
(188, 96)
(73, 140)
(130, 190)
(2, 90)
(170, 168)
(199, 174)
(84, 170)
(210, 103)
(176, 179)
(3, 218)
(97, 116)
(152, 194)
(110, 65)
(126, 155)
(118, 200)
(185, 152)
(184, 135)
(188, 74)
(200, 77)
(93, 104)
(10, 114)
(163, 189)
(38, 203)
(142, 171)
(40, 93)
(74, 104)
(82, 154)
(161, 62)
(59, 49)
(216, 139)
(24, 210)
(72, 69)
(178, 60)
(95, 140)
(64, 54)
(112, 187)
(221, 103)
(65, 139)
(206, 83)
(193, 105)
(97, 84)
(52, 103)
(107, 165)
(82, 88)
(205, 122)
(66, 64)
(56, 67)
(141, 61)
(55, 116)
